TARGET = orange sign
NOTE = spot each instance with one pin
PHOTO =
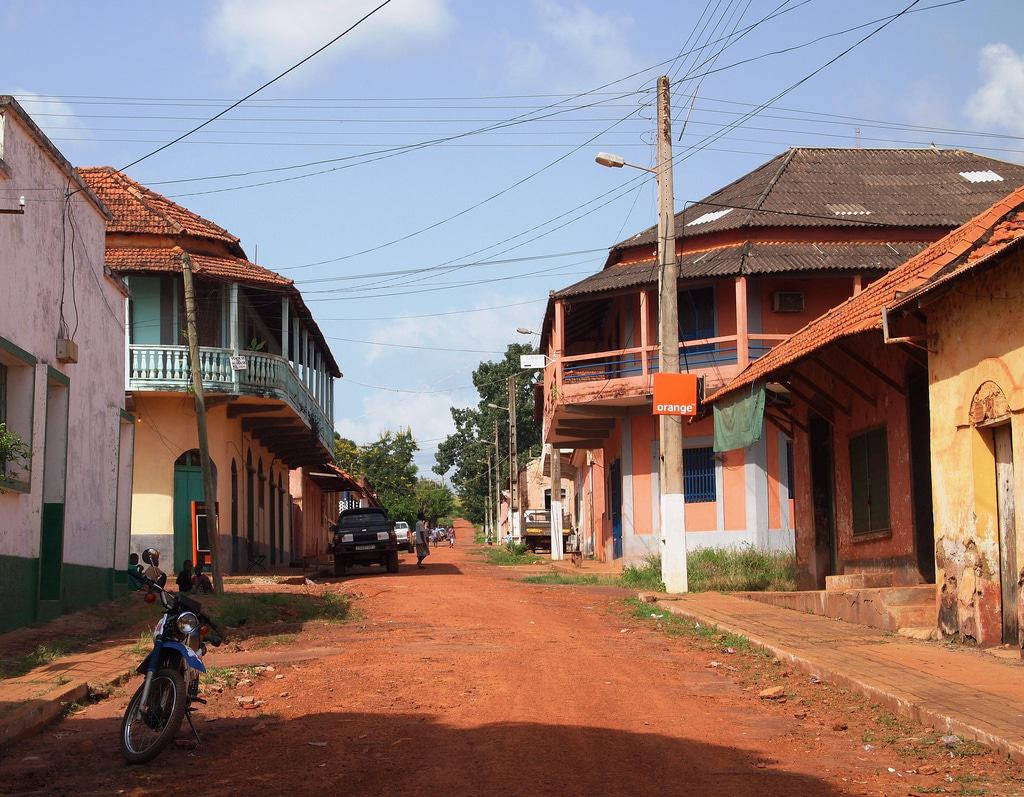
(675, 394)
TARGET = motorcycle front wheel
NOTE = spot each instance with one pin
(145, 732)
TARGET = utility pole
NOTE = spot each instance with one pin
(497, 487)
(209, 489)
(487, 502)
(556, 504)
(513, 460)
(673, 522)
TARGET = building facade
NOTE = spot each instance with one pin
(65, 509)
(268, 375)
(758, 260)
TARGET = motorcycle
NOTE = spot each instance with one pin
(172, 671)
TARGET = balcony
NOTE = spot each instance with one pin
(166, 368)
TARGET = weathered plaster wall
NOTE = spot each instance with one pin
(166, 429)
(974, 335)
(31, 260)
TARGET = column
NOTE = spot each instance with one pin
(294, 350)
(556, 503)
(742, 336)
(645, 312)
(233, 328)
(558, 341)
(285, 327)
(304, 355)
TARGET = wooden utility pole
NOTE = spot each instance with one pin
(487, 502)
(497, 487)
(513, 459)
(673, 522)
(556, 503)
(209, 489)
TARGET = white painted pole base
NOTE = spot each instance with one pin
(556, 531)
(673, 543)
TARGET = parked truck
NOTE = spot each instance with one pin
(537, 529)
(364, 536)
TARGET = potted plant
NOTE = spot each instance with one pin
(14, 452)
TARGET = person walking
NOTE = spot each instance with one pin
(451, 537)
(421, 540)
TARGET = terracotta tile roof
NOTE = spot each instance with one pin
(138, 209)
(987, 234)
(752, 258)
(847, 187)
(231, 269)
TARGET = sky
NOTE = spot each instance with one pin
(111, 81)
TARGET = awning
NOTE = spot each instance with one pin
(330, 478)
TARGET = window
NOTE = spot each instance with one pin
(696, 313)
(547, 498)
(698, 475)
(17, 399)
(869, 481)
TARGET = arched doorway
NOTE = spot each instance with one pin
(234, 516)
(280, 515)
(188, 487)
(250, 507)
(273, 522)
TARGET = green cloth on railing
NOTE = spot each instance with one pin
(739, 419)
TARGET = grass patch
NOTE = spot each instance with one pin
(676, 626)
(644, 576)
(276, 639)
(743, 569)
(237, 609)
(37, 657)
(564, 578)
(143, 645)
(511, 554)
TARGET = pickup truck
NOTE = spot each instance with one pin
(404, 534)
(364, 536)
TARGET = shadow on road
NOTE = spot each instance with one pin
(400, 754)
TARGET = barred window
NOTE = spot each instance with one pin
(869, 481)
(698, 475)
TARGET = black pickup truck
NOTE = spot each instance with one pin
(364, 536)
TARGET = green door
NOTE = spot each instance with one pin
(188, 487)
(51, 554)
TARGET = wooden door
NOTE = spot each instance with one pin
(1007, 530)
(823, 498)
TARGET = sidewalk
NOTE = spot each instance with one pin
(956, 690)
(40, 696)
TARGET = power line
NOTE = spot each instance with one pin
(273, 80)
(411, 346)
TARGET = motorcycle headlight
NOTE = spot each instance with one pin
(187, 623)
(346, 538)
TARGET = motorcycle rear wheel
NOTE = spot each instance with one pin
(163, 716)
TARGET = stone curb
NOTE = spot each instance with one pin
(897, 702)
(36, 714)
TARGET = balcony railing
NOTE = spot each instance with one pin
(159, 367)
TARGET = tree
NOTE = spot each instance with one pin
(346, 454)
(387, 464)
(434, 499)
(465, 450)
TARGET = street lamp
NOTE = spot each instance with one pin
(525, 331)
(497, 407)
(670, 427)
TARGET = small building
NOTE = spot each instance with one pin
(904, 405)
(64, 510)
(758, 260)
(268, 375)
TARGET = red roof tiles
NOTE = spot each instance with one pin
(138, 209)
(168, 258)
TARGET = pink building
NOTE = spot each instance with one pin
(758, 259)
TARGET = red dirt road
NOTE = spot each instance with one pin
(459, 680)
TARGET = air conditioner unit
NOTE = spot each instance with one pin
(788, 301)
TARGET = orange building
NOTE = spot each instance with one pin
(758, 259)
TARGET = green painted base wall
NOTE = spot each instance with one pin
(81, 586)
(19, 582)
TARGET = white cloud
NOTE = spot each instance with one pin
(578, 46)
(262, 36)
(1000, 99)
(56, 118)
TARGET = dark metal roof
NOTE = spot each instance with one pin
(751, 258)
(829, 187)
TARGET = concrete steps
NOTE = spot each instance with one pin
(889, 608)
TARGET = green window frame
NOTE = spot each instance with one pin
(869, 481)
(3, 393)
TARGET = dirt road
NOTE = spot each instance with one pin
(459, 680)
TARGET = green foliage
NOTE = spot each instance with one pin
(644, 576)
(564, 578)
(435, 500)
(388, 465)
(465, 450)
(237, 609)
(14, 452)
(511, 554)
(346, 454)
(743, 569)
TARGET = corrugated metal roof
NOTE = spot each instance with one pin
(936, 187)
